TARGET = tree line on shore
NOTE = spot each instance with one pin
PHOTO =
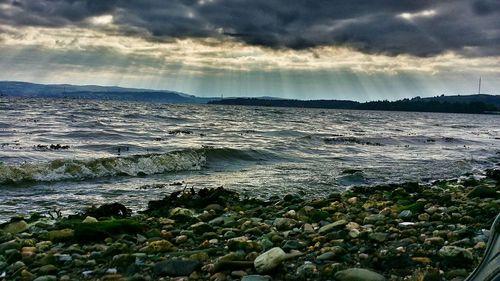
(414, 104)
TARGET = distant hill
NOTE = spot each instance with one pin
(488, 99)
(24, 89)
(449, 104)
(456, 104)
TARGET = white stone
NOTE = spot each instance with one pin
(89, 219)
(269, 260)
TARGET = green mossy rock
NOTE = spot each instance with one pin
(415, 208)
(483, 191)
(16, 227)
(159, 246)
(61, 235)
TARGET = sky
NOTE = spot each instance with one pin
(306, 49)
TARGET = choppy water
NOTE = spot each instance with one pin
(134, 152)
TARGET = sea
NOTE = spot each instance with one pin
(69, 154)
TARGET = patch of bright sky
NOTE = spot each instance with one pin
(421, 14)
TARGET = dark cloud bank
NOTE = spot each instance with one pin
(470, 27)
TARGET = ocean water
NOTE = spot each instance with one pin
(70, 154)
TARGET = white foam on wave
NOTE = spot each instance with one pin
(70, 169)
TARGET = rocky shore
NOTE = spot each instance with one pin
(394, 232)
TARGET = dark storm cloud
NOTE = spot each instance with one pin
(469, 27)
(486, 7)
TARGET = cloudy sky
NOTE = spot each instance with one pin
(338, 49)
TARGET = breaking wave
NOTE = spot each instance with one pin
(136, 165)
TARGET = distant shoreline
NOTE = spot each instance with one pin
(410, 105)
(476, 103)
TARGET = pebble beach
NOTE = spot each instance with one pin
(408, 231)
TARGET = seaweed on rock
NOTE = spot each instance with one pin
(190, 198)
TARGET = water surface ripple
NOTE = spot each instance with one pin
(131, 152)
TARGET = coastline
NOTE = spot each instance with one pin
(393, 232)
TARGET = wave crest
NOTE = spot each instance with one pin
(70, 169)
(135, 165)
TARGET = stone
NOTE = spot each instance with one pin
(176, 267)
(266, 243)
(28, 251)
(201, 227)
(480, 245)
(238, 273)
(43, 246)
(60, 235)
(483, 191)
(406, 224)
(90, 219)
(48, 269)
(307, 270)
(317, 215)
(218, 221)
(292, 245)
(112, 277)
(335, 251)
(18, 265)
(353, 200)
(373, 219)
(455, 255)
(158, 247)
(434, 241)
(3, 265)
(219, 276)
(378, 236)
(181, 212)
(215, 207)
(256, 278)
(165, 221)
(358, 274)
(9, 245)
(354, 233)
(201, 257)
(243, 243)
(431, 210)
(291, 214)
(16, 227)
(329, 227)
(352, 226)
(326, 256)
(424, 217)
(269, 260)
(64, 258)
(12, 256)
(181, 239)
(405, 214)
(432, 274)
(123, 260)
(5, 236)
(457, 273)
(284, 223)
(308, 228)
(26, 275)
(46, 278)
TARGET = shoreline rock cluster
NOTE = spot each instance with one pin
(392, 232)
